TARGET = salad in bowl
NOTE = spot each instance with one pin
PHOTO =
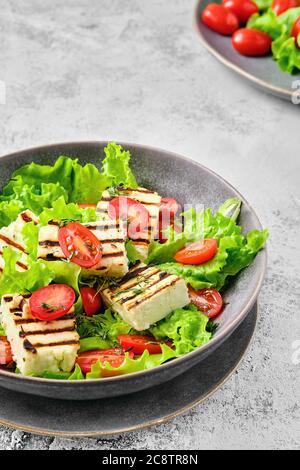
(102, 277)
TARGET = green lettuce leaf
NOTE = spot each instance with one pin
(30, 233)
(116, 166)
(76, 374)
(61, 211)
(2, 330)
(9, 211)
(95, 342)
(129, 366)
(186, 327)
(132, 253)
(284, 48)
(13, 281)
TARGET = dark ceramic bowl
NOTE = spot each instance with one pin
(189, 183)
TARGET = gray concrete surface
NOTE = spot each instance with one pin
(133, 70)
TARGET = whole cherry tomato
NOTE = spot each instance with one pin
(251, 42)
(280, 6)
(219, 19)
(243, 9)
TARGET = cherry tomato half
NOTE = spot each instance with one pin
(296, 31)
(280, 6)
(209, 301)
(52, 302)
(140, 343)
(132, 212)
(198, 252)
(5, 351)
(251, 42)
(219, 19)
(243, 9)
(91, 300)
(80, 245)
(115, 357)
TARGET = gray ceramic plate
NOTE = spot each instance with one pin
(136, 411)
(188, 182)
(262, 72)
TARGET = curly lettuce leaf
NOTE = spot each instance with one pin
(30, 234)
(9, 211)
(115, 166)
(129, 366)
(284, 48)
(61, 211)
(132, 253)
(186, 327)
(13, 281)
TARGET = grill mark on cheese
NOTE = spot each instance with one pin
(106, 226)
(18, 263)
(49, 243)
(113, 255)
(162, 276)
(142, 300)
(24, 334)
(16, 309)
(27, 219)
(53, 222)
(1, 270)
(142, 277)
(51, 257)
(8, 298)
(34, 347)
(27, 321)
(139, 190)
(12, 243)
(131, 274)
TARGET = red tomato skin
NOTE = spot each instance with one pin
(77, 235)
(140, 343)
(115, 357)
(92, 300)
(5, 351)
(251, 42)
(280, 6)
(54, 295)
(220, 20)
(197, 253)
(209, 301)
(243, 9)
(296, 31)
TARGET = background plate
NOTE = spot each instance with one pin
(136, 411)
(262, 72)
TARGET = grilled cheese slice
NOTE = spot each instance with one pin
(146, 295)
(12, 236)
(150, 200)
(113, 264)
(39, 346)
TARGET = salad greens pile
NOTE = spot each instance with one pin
(284, 48)
(53, 192)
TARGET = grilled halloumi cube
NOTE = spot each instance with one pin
(146, 295)
(36, 345)
(12, 236)
(150, 199)
(113, 264)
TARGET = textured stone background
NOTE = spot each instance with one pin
(134, 70)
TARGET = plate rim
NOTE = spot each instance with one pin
(215, 341)
(275, 90)
(154, 422)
